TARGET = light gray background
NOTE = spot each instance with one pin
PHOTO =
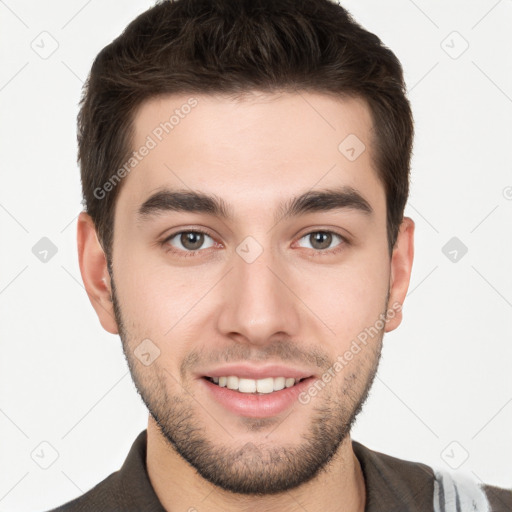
(444, 389)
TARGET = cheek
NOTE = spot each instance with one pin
(156, 299)
(348, 298)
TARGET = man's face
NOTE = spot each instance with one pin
(259, 295)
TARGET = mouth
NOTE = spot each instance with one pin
(264, 386)
(258, 391)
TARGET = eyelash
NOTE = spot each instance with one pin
(188, 254)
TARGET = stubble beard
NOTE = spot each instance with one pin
(254, 468)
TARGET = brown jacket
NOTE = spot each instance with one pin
(392, 485)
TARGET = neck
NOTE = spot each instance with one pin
(179, 487)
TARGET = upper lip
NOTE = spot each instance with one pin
(257, 372)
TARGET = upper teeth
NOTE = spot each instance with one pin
(266, 385)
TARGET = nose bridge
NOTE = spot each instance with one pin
(258, 304)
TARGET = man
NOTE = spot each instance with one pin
(245, 169)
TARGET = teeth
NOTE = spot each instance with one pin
(232, 382)
(279, 383)
(289, 383)
(266, 385)
(247, 385)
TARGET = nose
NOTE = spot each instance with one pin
(259, 301)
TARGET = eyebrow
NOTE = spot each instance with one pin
(165, 200)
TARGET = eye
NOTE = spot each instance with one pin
(322, 240)
(189, 241)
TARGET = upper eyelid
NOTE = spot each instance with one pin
(343, 237)
(181, 231)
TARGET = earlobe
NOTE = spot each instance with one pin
(93, 267)
(400, 274)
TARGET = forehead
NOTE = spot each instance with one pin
(253, 150)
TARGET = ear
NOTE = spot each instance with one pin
(93, 267)
(401, 267)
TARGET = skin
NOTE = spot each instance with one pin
(293, 302)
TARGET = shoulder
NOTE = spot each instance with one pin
(127, 489)
(422, 487)
(500, 499)
(394, 484)
(116, 493)
(100, 497)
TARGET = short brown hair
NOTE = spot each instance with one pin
(232, 47)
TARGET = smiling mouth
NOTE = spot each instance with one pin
(254, 386)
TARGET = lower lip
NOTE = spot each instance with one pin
(257, 406)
